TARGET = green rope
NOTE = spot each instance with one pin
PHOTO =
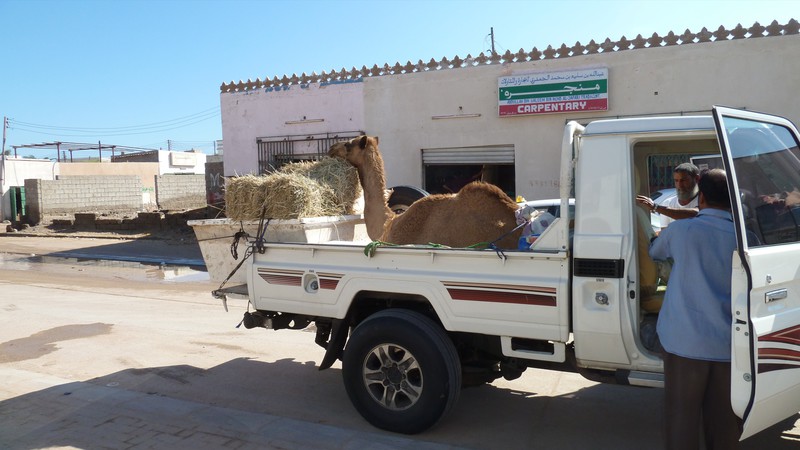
(372, 247)
(369, 249)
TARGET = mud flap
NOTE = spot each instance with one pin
(336, 344)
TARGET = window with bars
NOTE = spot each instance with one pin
(275, 152)
(661, 167)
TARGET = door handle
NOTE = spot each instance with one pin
(779, 294)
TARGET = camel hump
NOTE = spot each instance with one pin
(485, 190)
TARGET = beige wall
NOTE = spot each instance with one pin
(754, 73)
(146, 171)
(758, 74)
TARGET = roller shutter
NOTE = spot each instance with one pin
(502, 154)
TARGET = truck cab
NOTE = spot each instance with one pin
(616, 288)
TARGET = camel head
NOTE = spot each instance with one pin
(356, 151)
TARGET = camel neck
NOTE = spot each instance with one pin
(373, 183)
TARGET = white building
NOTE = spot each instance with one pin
(439, 123)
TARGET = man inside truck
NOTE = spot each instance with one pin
(684, 204)
(694, 321)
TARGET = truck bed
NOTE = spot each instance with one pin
(521, 294)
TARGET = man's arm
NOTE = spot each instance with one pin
(673, 213)
(659, 246)
(676, 213)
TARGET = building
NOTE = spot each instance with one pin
(169, 162)
(149, 167)
(442, 123)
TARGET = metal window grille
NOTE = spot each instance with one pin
(275, 152)
(660, 170)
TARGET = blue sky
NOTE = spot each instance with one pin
(140, 73)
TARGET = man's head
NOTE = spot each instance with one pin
(685, 177)
(713, 185)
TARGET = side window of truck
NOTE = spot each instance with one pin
(767, 164)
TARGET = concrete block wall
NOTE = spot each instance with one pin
(143, 222)
(120, 194)
(180, 192)
(33, 200)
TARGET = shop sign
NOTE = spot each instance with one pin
(553, 92)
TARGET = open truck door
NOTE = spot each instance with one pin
(761, 156)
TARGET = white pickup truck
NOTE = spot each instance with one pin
(413, 324)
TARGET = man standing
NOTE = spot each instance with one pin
(684, 204)
(694, 324)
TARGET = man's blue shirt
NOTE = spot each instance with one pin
(695, 319)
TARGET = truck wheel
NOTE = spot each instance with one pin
(401, 371)
(403, 196)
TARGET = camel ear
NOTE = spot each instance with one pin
(363, 142)
(377, 139)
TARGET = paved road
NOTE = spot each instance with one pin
(95, 356)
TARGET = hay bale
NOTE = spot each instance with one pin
(328, 187)
(290, 196)
(244, 197)
(336, 173)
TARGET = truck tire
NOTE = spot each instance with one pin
(401, 371)
(403, 196)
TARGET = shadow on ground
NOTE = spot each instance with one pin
(144, 250)
(249, 401)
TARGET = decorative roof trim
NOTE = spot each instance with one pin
(607, 46)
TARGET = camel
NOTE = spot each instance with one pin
(478, 213)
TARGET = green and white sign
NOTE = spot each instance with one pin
(553, 92)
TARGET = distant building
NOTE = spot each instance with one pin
(169, 162)
(148, 166)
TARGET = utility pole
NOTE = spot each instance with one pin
(5, 125)
(3, 171)
(491, 33)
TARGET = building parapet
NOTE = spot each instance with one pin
(564, 51)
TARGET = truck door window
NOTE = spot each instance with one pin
(767, 165)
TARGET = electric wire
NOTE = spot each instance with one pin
(207, 113)
(13, 125)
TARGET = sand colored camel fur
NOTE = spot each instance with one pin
(479, 212)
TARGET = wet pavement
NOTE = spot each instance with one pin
(142, 258)
(142, 250)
